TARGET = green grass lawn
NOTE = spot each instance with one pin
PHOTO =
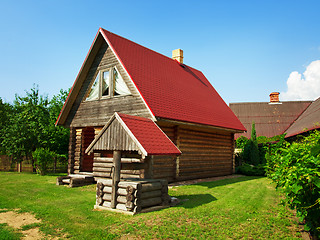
(240, 208)
(7, 233)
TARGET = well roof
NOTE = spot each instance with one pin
(141, 134)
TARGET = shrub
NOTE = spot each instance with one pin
(250, 153)
(42, 158)
(241, 142)
(295, 169)
(251, 170)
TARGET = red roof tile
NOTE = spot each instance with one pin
(149, 135)
(171, 90)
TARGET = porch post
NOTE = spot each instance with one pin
(115, 177)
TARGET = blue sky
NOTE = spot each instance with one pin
(247, 49)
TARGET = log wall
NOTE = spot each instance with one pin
(78, 151)
(164, 166)
(72, 144)
(205, 153)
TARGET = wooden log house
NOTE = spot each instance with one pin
(122, 80)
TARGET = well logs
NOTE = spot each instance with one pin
(133, 195)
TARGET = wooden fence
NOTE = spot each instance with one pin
(7, 165)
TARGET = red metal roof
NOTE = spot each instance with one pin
(171, 90)
(308, 120)
(149, 135)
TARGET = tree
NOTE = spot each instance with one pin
(250, 152)
(25, 131)
(5, 113)
(57, 136)
(31, 126)
(253, 133)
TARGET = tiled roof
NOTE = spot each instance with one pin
(270, 119)
(171, 90)
(308, 120)
(149, 135)
(138, 133)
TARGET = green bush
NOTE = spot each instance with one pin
(42, 158)
(295, 169)
(250, 153)
(241, 142)
(251, 170)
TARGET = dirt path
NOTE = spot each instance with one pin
(17, 220)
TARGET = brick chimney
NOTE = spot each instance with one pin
(274, 97)
(178, 55)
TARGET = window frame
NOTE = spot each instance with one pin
(111, 85)
(101, 80)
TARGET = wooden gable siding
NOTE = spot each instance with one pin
(97, 112)
(204, 154)
(115, 138)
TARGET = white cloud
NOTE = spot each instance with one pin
(306, 87)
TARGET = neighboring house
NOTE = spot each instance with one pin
(150, 107)
(276, 117)
(307, 121)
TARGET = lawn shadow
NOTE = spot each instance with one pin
(228, 181)
(195, 200)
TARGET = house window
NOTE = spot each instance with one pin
(94, 91)
(105, 83)
(108, 83)
(120, 87)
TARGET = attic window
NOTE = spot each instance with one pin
(94, 91)
(106, 80)
(105, 83)
(120, 87)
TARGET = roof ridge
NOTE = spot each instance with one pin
(148, 48)
(302, 101)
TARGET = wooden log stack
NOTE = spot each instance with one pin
(130, 167)
(134, 196)
(75, 180)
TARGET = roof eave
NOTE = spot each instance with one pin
(201, 125)
(73, 93)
